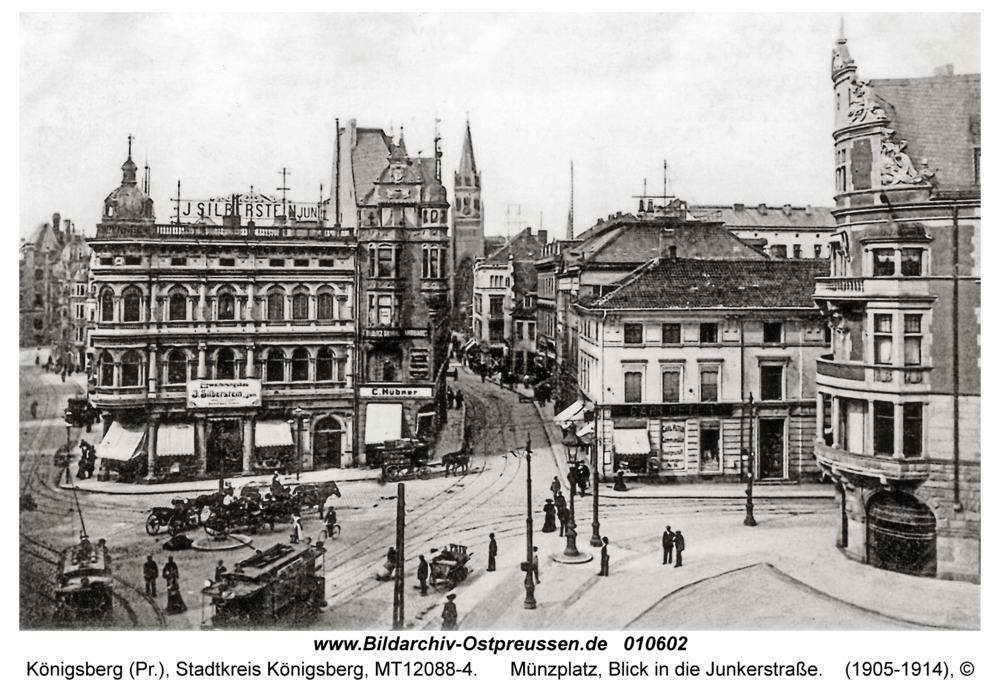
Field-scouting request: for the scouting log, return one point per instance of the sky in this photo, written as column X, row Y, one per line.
column 738, row 105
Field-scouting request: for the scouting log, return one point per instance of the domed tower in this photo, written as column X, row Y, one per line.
column 468, row 236
column 128, row 204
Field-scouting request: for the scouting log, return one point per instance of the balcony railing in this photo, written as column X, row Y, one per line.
column 840, row 285
column 872, row 466
column 849, row 371
column 871, row 287
column 200, row 231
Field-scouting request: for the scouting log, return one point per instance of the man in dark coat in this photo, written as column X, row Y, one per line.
column 563, row 513
column 170, row 571
column 571, row 479
column 220, row 571
column 449, row 616
column 555, row 487
column 423, row 571
column 150, row 572
column 459, row 399
column 668, row 546
column 605, row 560
column 679, row 544
column 582, row 476
column 451, row 398
column 492, row 562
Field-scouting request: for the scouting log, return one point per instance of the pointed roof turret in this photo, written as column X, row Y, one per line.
column 128, row 202
column 467, row 164
column 841, row 56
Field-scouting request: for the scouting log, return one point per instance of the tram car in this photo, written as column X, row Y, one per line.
column 83, row 582
column 285, row 582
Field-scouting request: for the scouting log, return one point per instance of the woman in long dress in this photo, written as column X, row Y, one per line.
column 175, row 603
column 550, row 517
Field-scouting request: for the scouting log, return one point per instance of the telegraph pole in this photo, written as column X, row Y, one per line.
column 529, row 579
column 398, row 596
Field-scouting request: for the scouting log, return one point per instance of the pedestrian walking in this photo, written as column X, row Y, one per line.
column 48, row 364
column 582, row 476
column 605, row 560
column 423, row 571
column 563, row 513
column 296, row 528
column 175, row 603
column 534, row 564
column 459, row 400
column 482, row 374
column 150, row 572
column 170, row 571
column 555, row 487
column 620, row 482
column 220, row 571
column 679, row 546
column 492, row 561
column 38, row 360
column 34, row 409
column 451, row 398
column 571, row 480
column 550, row 517
column 668, row 545
column 449, row 616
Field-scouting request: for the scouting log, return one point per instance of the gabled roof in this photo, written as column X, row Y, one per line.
column 369, row 158
column 687, row 284
column 939, row 117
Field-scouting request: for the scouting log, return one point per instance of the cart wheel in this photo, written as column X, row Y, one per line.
column 152, row 525
column 423, row 473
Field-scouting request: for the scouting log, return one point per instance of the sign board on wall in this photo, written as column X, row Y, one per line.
column 397, row 392
column 672, row 449
column 241, row 393
column 260, row 208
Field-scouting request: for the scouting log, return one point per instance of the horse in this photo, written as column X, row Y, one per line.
column 455, row 461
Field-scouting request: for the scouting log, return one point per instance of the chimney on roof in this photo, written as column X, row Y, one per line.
column 600, row 220
column 809, row 209
column 944, row 71
column 787, row 209
column 738, row 207
column 543, row 236
column 762, row 208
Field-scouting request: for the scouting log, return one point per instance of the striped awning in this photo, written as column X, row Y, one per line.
column 174, row 439
column 120, row 443
column 573, row 413
column 272, row 433
column 631, row 442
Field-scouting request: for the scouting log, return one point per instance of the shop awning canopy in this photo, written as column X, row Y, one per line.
column 383, row 422
column 175, row 439
column 470, row 343
column 573, row 413
column 585, row 429
column 272, row 433
column 120, row 443
column 631, row 442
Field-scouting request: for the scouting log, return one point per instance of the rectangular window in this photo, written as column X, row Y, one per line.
column 883, row 338
column 133, row 260
column 708, row 333
column 817, row 251
column 772, row 378
column 380, row 309
column 779, row 251
column 496, row 307
column 79, row 311
column 531, row 331
column 796, row 251
column 671, row 386
column 326, row 262
column 885, row 262
column 912, row 339
column 633, row 333
column 671, row 333
column 913, row 429
column 227, row 262
column 710, row 385
column 709, row 460
column 178, row 261
column 107, row 260
column 911, row 265
column 276, row 262
column 772, row 332
column 432, row 263
column 324, row 307
column 301, row 262
column 633, row 386
column 884, row 428
column 300, row 307
column 386, row 263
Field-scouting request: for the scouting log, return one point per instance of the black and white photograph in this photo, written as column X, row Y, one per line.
column 368, row 323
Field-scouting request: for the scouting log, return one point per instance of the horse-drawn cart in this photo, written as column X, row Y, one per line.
column 403, row 459
column 449, row 566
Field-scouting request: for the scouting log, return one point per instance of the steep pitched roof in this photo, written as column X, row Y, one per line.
column 939, row 117
column 369, row 158
column 467, row 164
column 687, row 283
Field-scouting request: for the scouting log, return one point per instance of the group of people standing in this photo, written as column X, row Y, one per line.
column 172, row 575
column 455, row 399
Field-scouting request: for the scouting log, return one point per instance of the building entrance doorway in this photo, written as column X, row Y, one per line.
column 224, row 446
column 772, row 448
column 902, row 534
column 326, row 443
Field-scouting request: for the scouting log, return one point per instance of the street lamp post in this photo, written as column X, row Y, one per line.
column 69, row 446
column 529, row 583
column 595, row 540
column 749, row 520
column 572, row 444
column 298, row 442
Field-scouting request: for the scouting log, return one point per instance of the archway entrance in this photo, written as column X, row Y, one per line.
column 225, row 446
column 902, row 534
column 326, row 443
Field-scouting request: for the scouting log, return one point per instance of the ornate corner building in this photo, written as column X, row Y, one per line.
column 898, row 397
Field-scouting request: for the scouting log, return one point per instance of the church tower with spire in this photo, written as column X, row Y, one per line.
column 468, row 231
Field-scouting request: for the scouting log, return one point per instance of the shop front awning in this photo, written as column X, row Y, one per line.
column 470, row 343
column 573, row 413
column 272, row 433
column 631, row 442
column 383, row 422
column 120, row 443
column 585, row 429
column 175, row 439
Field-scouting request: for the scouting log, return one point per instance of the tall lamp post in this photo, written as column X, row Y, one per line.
column 69, row 446
column 572, row 444
column 529, row 582
column 595, row 540
column 749, row 520
column 298, row 442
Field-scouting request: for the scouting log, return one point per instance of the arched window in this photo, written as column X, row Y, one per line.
column 324, row 306
column 275, row 365
column 131, row 369
column 225, row 364
column 131, row 305
column 300, row 306
column 177, row 309
column 276, row 305
column 300, row 364
column 227, row 306
column 107, row 306
column 324, row 365
column 107, row 369
column 177, row 367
